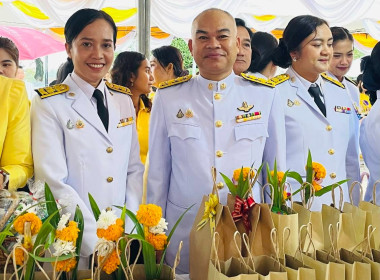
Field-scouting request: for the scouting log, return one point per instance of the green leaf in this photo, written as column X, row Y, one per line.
column 133, row 217
column 94, row 207
column 53, row 259
column 329, row 187
column 78, row 218
column 51, row 206
column 309, row 168
column 296, row 176
column 232, row 188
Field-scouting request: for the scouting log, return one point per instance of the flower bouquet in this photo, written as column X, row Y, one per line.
column 240, row 200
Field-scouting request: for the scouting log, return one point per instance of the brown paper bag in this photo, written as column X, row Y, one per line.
column 373, row 258
column 201, row 240
column 356, row 267
column 287, row 221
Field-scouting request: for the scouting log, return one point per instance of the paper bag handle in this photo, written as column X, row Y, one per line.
column 351, row 190
column 374, row 192
column 237, row 235
column 312, row 195
column 309, row 229
column 214, row 187
column 214, row 251
column 340, row 198
column 262, row 194
column 333, row 239
column 177, row 258
column 245, row 239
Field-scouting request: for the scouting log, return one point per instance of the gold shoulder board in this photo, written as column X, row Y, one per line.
column 332, row 80
column 118, row 88
column 280, row 79
column 351, row 81
column 176, row 81
column 257, row 80
column 52, row 90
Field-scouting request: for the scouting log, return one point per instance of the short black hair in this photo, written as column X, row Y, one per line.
column 371, row 74
column 241, row 22
column 340, row 34
column 263, row 45
column 169, row 54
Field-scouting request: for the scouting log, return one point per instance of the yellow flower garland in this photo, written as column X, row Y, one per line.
column 113, row 232
column 149, row 214
column 35, row 222
column 280, row 175
column 69, row 233
column 112, row 262
column 66, row 265
column 157, row 240
column 246, row 171
column 319, row 173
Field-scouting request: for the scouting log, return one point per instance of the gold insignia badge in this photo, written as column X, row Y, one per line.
column 180, row 114
column 297, row 102
column 79, row 124
column 125, row 122
column 189, row 113
column 245, row 107
column 290, row 103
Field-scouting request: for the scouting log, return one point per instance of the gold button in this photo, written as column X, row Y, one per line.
column 223, row 86
column 210, row 86
column 333, row 175
column 71, row 94
column 329, row 128
column 217, row 96
column 220, row 185
column 218, row 123
column 331, row 151
column 219, row 153
column 109, row 179
column 109, row 150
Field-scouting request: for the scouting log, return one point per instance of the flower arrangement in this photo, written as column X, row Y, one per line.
column 315, row 173
column 209, row 212
column 240, row 187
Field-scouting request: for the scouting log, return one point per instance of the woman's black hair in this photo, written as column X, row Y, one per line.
column 80, row 19
column 169, row 54
column 126, row 66
column 340, row 34
column 10, row 47
column 263, row 45
column 297, row 30
column 371, row 73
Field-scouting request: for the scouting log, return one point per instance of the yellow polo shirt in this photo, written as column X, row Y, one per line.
column 142, row 125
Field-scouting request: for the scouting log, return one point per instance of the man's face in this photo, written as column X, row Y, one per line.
column 244, row 55
column 214, row 44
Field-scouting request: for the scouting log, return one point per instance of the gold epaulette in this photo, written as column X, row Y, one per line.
column 351, row 81
column 176, row 81
column 280, row 79
column 52, row 90
column 332, row 80
column 258, row 80
column 118, row 88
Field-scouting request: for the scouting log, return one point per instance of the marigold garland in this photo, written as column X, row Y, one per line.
column 112, row 262
column 280, row 175
column 319, row 171
column 69, row 233
column 35, row 223
column 19, row 255
column 113, row 232
column 66, row 265
column 149, row 214
column 157, row 240
column 246, row 171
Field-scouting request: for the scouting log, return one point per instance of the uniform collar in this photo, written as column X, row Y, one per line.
column 292, row 73
column 87, row 89
column 258, row 74
column 217, row 86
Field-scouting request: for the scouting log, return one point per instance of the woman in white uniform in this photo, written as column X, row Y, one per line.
column 83, row 131
column 370, row 127
column 315, row 111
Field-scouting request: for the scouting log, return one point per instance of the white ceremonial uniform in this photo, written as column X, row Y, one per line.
column 76, row 160
column 369, row 137
column 301, row 126
column 184, row 147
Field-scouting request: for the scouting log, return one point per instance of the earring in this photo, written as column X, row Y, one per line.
column 294, row 58
column 131, row 84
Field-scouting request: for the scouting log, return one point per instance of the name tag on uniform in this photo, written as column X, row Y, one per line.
column 342, row 109
column 125, row 122
column 248, row 117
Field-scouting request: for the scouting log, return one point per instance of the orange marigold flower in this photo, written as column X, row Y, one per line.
column 20, row 258
column 280, row 175
column 112, row 262
column 113, row 232
column 246, row 171
column 69, row 233
column 149, row 214
column 66, row 265
column 319, row 171
column 157, row 240
column 286, row 195
column 35, row 222
column 316, row 186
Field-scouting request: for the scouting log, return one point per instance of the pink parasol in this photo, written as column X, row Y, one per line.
column 31, row 43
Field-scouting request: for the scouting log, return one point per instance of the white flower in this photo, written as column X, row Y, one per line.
column 19, row 239
column 63, row 221
column 160, row 227
column 106, row 218
column 104, row 247
column 63, row 247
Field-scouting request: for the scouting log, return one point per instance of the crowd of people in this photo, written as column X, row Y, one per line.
column 87, row 134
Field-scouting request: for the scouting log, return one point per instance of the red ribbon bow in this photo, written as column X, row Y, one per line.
column 241, row 211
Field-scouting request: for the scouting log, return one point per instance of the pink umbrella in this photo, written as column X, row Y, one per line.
column 31, row 43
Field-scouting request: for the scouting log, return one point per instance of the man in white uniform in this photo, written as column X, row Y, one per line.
column 194, row 126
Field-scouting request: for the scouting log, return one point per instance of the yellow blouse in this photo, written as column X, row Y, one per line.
column 142, row 125
column 365, row 105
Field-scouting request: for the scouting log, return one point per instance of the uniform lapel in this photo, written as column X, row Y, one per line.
column 114, row 114
column 82, row 105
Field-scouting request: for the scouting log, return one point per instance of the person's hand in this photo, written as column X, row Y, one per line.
column 1, row 181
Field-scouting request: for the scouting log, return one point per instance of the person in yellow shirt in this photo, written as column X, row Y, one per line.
column 9, row 58
column 365, row 104
column 16, row 164
column 132, row 69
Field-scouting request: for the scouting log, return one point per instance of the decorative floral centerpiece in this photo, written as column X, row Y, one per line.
column 240, row 187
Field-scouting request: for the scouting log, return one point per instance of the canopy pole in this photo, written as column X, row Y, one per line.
column 143, row 27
